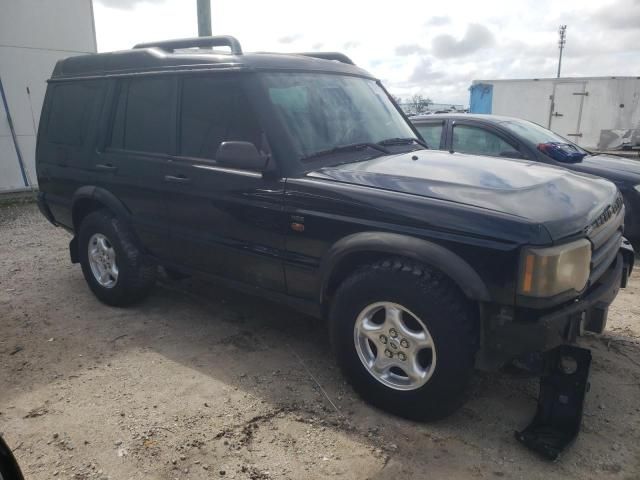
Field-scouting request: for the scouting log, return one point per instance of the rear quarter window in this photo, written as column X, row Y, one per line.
column 72, row 108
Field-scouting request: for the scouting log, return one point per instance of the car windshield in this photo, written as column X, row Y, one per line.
column 324, row 111
column 535, row 133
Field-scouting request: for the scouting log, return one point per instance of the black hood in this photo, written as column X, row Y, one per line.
column 564, row 202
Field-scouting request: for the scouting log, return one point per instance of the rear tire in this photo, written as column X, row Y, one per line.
column 394, row 368
column 114, row 267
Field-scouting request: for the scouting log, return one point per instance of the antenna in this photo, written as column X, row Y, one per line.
column 562, row 31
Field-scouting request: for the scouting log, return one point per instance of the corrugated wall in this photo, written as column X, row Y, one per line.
column 34, row 35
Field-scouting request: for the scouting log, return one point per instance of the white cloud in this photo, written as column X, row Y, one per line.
column 414, row 47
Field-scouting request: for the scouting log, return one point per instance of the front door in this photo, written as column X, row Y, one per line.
column 566, row 110
column 223, row 220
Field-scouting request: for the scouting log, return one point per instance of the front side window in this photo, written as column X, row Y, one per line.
column 431, row 133
column 214, row 110
column 323, row 111
column 478, row 141
column 143, row 119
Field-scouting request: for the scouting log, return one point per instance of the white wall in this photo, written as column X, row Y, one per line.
column 601, row 108
column 34, row 34
column 531, row 100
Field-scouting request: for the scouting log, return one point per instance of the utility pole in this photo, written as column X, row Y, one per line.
column 562, row 31
column 204, row 18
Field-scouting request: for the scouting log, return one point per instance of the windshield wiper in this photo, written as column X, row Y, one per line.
column 402, row 141
column 354, row 147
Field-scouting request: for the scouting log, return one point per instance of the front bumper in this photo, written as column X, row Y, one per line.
column 507, row 339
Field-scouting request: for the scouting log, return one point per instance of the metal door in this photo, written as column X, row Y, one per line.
column 566, row 109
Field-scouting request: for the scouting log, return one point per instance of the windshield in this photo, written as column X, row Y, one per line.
column 535, row 133
column 323, row 111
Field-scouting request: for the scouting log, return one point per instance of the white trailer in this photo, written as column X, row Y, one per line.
column 34, row 35
column 595, row 112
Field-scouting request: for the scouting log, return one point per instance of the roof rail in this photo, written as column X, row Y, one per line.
column 197, row 42
column 340, row 57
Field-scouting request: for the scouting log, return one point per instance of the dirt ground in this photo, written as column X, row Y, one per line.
column 202, row 382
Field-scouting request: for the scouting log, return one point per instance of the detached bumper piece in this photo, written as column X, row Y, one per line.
column 563, row 387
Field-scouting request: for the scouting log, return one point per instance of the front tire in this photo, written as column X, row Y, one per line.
column 113, row 266
column 405, row 337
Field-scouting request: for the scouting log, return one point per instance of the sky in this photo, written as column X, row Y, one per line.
column 421, row 47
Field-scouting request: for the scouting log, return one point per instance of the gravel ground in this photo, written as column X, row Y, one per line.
column 202, row 382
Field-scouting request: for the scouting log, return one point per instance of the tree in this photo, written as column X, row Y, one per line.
column 419, row 104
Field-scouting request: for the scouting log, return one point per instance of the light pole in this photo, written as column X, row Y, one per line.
column 562, row 31
column 204, row 18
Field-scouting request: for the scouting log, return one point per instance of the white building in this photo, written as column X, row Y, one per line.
column 34, row 34
column 595, row 112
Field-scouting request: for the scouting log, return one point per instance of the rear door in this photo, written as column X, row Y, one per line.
column 567, row 109
column 223, row 220
column 138, row 145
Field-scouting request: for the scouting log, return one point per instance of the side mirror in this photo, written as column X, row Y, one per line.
column 241, row 155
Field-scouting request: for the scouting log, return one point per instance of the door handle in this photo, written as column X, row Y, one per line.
column 106, row 167
column 176, row 179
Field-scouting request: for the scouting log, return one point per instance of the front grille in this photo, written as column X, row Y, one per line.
column 605, row 234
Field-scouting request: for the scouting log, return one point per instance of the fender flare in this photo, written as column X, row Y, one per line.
column 417, row 249
column 108, row 199
column 103, row 196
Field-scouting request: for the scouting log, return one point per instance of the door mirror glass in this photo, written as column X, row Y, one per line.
column 241, row 155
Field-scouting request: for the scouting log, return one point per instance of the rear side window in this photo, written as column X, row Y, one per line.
column 72, row 106
column 431, row 133
column 143, row 119
column 214, row 110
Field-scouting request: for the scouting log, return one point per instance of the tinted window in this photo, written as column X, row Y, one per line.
column 71, row 110
column 214, row 110
column 431, row 133
column 467, row 139
column 143, row 118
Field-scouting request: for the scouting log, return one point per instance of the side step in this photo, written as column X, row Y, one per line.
column 563, row 386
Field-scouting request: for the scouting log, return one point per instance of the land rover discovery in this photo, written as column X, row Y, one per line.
column 297, row 177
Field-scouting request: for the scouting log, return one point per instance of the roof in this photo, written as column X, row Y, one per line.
column 157, row 57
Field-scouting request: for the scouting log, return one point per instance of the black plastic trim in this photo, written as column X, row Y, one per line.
column 402, row 245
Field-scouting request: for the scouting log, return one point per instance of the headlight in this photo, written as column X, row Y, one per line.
column 545, row 272
column 637, row 188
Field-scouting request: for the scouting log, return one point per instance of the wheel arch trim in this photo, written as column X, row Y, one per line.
column 103, row 196
column 394, row 244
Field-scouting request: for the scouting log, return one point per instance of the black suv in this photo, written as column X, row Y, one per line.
column 298, row 178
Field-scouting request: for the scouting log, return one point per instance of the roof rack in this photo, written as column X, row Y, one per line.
column 340, row 57
column 197, row 42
